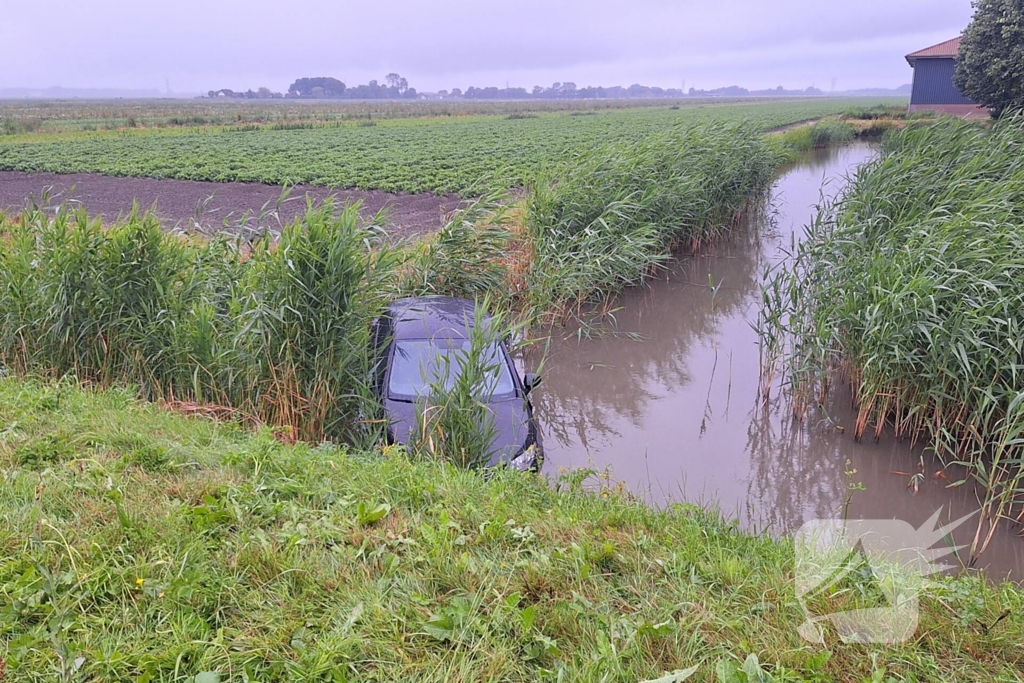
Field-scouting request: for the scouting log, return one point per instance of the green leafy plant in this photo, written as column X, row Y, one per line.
column 991, row 59
column 368, row 514
column 338, row 146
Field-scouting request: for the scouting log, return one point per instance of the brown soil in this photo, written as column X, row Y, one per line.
column 215, row 206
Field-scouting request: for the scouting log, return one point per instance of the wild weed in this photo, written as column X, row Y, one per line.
column 276, row 327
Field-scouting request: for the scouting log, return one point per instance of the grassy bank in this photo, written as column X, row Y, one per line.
column 831, row 132
column 869, row 124
column 143, row 545
column 818, row 135
column 910, row 288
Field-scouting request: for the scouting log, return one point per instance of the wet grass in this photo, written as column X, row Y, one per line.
column 910, row 288
column 143, row 545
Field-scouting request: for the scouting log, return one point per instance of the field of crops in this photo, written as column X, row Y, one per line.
column 47, row 117
column 435, row 154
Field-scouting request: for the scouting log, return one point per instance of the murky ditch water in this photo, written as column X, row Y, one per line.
column 669, row 405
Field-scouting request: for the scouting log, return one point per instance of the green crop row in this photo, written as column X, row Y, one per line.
column 440, row 154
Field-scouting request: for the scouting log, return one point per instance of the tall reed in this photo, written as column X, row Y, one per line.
column 455, row 421
column 467, row 256
column 911, row 288
column 805, row 138
column 605, row 218
column 276, row 328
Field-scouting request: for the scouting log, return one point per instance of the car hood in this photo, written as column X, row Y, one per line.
column 513, row 428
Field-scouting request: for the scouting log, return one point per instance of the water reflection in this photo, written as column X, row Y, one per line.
column 602, row 388
column 675, row 416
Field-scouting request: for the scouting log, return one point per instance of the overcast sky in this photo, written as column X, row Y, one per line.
column 198, row 45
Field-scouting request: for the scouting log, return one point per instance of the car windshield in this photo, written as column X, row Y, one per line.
column 418, row 363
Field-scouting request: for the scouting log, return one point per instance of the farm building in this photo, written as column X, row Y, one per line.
column 933, row 81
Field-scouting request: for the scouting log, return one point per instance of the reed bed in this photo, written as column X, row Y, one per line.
column 910, row 287
column 456, row 424
column 606, row 218
column 826, row 133
column 276, row 328
column 467, row 257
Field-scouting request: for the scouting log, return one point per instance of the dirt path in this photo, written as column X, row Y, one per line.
column 180, row 202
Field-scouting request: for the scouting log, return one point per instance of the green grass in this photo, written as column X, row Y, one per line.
column 875, row 112
column 911, row 289
column 433, row 154
column 827, row 133
column 142, row 545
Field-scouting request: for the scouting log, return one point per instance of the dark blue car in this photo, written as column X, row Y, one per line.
column 418, row 336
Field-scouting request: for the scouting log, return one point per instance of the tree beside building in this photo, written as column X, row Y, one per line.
column 990, row 63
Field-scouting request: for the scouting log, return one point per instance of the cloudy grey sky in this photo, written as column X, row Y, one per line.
column 199, row 45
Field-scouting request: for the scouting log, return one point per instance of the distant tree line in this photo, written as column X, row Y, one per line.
column 397, row 88
column 562, row 91
column 327, row 88
column 569, row 91
column 260, row 94
column 736, row 91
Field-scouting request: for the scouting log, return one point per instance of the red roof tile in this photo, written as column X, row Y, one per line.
column 946, row 49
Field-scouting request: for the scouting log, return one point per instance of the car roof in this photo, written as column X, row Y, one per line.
column 426, row 317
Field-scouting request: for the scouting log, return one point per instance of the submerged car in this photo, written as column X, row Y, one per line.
column 422, row 341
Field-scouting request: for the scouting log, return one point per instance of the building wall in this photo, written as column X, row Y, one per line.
column 933, row 83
